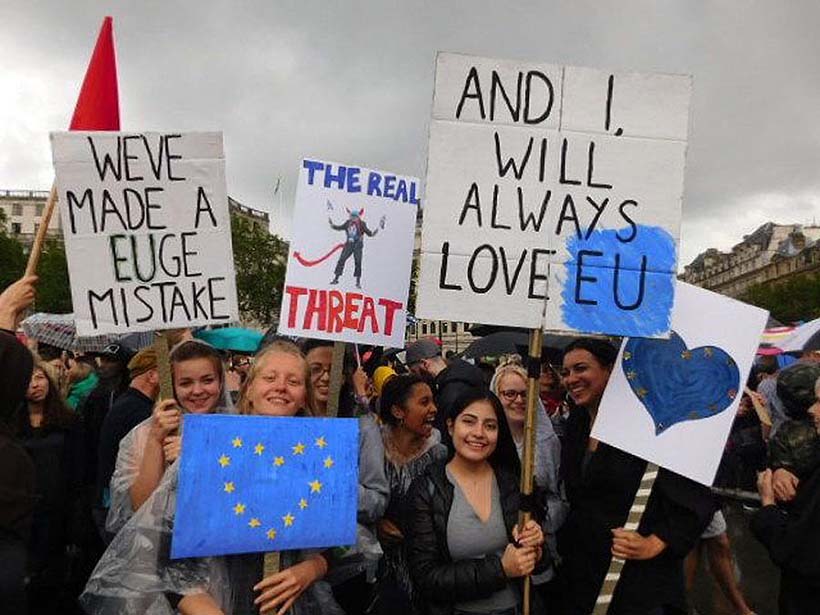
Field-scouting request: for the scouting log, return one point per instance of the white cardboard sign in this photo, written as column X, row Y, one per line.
column 147, row 230
column 553, row 181
column 348, row 275
column 672, row 402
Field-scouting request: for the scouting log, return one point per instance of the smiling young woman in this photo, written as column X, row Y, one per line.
column 466, row 552
column 411, row 443
column 145, row 453
column 137, row 570
column 601, row 482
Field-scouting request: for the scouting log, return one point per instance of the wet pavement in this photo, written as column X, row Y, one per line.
column 759, row 578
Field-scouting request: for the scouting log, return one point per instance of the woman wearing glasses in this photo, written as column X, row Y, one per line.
column 509, row 383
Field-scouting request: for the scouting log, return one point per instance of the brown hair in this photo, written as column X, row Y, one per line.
column 194, row 349
column 56, row 415
column 275, row 347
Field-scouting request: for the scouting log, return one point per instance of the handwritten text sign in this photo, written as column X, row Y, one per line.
column 348, row 274
column 553, row 181
column 147, row 230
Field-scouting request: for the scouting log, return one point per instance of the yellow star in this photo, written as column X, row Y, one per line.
column 239, row 509
column 641, row 392
column 254, row 522
column 631, row 375
column 278, row 461
column 229, row 487
column 259, row 448
column 708, row 352
column 686, row 355
column 321, row 442
column 237, row 442
column 271, row 534
column 303, row 504
column 329, row 462
column 299, row 449
column 288, row 519
column 315, row 486
column 627, row 355
column 224, row 461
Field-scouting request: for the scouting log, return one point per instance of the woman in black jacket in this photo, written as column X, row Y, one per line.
column 601, row 483
column 52, row 435
column 464, row 546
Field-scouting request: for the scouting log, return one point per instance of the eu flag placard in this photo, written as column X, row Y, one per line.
column 255, row 483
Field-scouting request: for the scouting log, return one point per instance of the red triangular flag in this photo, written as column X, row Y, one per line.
column 98, row 106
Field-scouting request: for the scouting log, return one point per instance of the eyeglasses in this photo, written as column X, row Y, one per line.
column 317, row 370
column 511, row 394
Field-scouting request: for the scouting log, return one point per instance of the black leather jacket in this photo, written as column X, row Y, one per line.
column 439, row 581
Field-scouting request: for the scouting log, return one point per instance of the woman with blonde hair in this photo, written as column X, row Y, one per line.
column 137, row 575
column 509, row 383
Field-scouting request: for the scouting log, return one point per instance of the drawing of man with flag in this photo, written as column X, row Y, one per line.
column 355, row 229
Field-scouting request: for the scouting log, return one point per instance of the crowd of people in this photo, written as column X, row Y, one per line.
column 88, row 479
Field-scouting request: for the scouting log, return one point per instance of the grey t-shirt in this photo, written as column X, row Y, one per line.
column 470, row 538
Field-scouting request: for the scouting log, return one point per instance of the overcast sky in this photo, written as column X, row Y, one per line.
column 352, row 81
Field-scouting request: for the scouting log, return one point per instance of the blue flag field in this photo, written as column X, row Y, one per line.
column 254, row 483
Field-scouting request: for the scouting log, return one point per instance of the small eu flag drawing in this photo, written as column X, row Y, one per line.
column 255, row 483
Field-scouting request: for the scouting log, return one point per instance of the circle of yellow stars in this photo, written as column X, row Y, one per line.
column 239, row 509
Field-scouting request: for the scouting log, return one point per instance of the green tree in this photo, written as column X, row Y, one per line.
column 53, row 289
column 260, row 259
column 796, row 299
column 12, row 257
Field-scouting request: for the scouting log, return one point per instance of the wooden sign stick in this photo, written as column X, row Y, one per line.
column 616, row 565
column 42, row 230
column 528, row 458
column 166, row 385
column 336, row 378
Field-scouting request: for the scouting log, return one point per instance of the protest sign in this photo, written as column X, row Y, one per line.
column 147, row 230
column 348, row 273
column 254, row 483
column 672, row 402
column 553, row 181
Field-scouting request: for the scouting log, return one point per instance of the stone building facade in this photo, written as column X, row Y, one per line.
column 772, row 253
column 24, row 211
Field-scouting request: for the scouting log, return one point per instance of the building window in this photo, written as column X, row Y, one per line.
column 424, row 328
column 39, row 208
column 16, row 228
column 445, row 328
column 16, row 209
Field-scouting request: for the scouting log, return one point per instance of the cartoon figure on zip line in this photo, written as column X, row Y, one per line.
column 355, row 229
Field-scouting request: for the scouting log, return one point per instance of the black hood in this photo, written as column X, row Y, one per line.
column 458, row 370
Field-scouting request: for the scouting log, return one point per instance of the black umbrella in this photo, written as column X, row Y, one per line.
column 516, row 342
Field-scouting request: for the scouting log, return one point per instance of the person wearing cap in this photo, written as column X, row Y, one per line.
column 451, row 380
column 132, row 408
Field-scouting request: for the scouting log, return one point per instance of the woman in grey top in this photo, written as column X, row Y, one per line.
column 465, row 550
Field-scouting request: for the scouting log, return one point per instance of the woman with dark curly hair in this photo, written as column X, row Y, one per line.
column 411, row 443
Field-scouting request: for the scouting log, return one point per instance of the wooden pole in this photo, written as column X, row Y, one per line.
column 528, row 458
column 42, row 231
column 336, row 378
column 616, row 565
column 166, row 385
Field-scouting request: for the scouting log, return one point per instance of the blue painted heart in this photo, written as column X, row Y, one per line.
column 675, row 383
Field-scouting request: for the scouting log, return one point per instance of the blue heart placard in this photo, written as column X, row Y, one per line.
column 675, row 383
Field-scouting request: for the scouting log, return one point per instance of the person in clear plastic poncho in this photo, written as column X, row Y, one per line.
column 148, row 449
column 136, row 574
